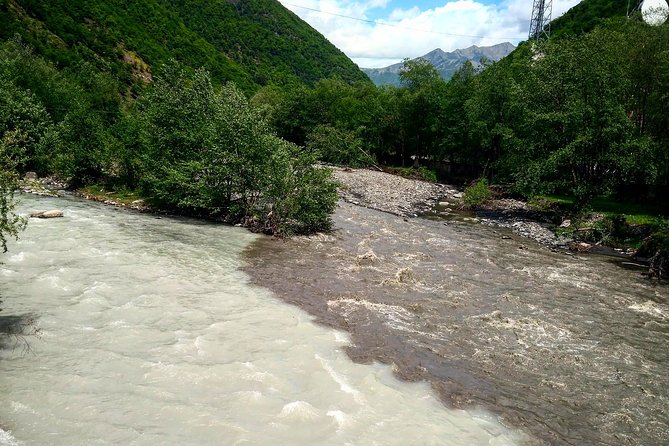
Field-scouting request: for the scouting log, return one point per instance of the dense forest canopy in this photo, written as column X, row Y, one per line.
column 586, row 15
column 249, row 42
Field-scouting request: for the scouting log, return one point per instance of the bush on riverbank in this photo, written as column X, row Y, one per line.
column 11, row 149
column 608, row 222
column 477, row 194
column 210, row 153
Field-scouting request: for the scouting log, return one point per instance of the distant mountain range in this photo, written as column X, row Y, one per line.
column 446, row 63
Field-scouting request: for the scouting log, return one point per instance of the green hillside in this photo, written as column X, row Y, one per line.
column 251, row 42
column 135, row 96
column 586, row 15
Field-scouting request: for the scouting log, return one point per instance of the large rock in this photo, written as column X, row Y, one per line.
column 47, row 214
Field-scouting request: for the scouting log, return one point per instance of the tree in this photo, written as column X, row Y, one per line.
column 422, row 106
column 576, row 134
column 10, row 222
column 211, row 153
column 337, row 146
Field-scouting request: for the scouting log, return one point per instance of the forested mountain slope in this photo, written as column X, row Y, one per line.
column 586, row 15
column 251, row 42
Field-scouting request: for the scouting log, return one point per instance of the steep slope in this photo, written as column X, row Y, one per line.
column 586, row 15
column 251, row 42
column 269, row 41
column 446, row 63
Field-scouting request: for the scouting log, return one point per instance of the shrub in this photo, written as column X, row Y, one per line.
column 476, row 194
column 212, row 154
column 10, row 222
column 656, row 249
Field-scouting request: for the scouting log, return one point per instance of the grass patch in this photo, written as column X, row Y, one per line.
column 634, row 213
column 614, row 223
column 122, row 196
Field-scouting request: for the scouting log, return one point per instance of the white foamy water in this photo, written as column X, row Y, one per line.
column 151, row 335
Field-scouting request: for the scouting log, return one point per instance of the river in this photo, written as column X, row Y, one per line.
column 572, row 348
column 146, row 331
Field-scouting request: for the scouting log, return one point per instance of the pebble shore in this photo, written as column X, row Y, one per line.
column 391, row 193
column 410, row 198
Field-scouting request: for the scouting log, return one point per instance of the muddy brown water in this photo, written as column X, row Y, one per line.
column 572, row 349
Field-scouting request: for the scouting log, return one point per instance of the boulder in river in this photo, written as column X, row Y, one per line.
column 47, row 214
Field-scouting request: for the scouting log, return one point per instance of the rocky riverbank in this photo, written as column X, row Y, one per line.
column 410, row 198
column 46, row 186
column 407, row 198
column 391, row 193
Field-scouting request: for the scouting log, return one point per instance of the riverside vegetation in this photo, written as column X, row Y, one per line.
column 96, row 101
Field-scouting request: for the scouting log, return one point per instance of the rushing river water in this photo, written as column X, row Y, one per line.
column 149, row 333
column 574, row 349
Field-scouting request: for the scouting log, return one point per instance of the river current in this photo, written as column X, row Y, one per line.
column 146, row 331
column 572, row 348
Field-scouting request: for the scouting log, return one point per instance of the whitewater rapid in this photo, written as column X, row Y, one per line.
column 147, row 333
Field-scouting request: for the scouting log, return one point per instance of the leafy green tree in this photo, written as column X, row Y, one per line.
column 579, row 136
column 491, row 114
column 418, row 73
column 455, row 141
column 211, row 153
column 422, row 105
column 337, row 146
column 81, row 147
column 10, row 222
column 22, row 116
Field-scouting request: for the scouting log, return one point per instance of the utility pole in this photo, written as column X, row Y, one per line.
column 540, row 23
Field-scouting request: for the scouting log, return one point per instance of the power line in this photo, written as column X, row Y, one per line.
column 374, row 22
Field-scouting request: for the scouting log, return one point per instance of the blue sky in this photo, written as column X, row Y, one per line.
column 383, row 11
column 377, row 33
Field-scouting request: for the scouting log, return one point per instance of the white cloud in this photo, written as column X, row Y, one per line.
column 414, row 32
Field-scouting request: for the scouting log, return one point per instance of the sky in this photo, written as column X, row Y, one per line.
column 378, row 33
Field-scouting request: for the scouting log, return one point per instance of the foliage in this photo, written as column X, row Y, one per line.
column 656, row 249
column 588, row 14
column 190, row 147
column 210, row 153
column 635, row 213
column 583, row 114
column 338, row 146
column 420, row 173
column 252, row 42
column 10, row 222
column 101, row 193
column 477, row 194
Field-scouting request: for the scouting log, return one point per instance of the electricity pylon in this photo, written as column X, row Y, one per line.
column 636, row 8
column 540, row 24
